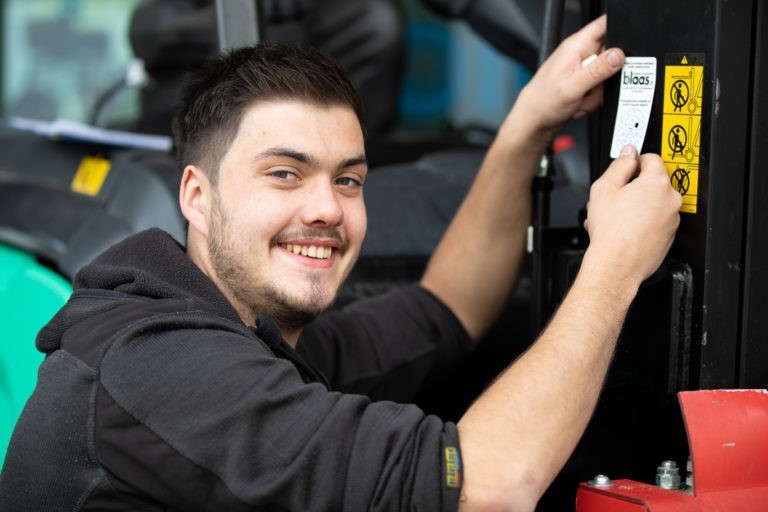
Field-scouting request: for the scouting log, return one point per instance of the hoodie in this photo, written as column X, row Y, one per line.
column 155, row 396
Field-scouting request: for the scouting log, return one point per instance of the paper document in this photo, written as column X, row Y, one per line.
column 66, row 129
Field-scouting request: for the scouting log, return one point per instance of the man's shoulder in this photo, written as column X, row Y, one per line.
column 96, row 322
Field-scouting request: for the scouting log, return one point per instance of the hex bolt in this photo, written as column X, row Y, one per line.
column 668, row 475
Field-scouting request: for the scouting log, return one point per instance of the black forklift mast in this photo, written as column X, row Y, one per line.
column 699, row 322
column 753, row 359
column 711, row 325
column 706, row 124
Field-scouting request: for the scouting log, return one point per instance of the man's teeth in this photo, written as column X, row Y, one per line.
column 312, row 251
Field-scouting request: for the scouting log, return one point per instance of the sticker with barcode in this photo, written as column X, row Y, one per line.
column 638, row 82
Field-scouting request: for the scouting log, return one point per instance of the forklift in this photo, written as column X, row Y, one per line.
column 695, row 327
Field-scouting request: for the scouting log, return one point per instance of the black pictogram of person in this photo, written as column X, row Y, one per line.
column 679, row 94
column 680, row 180
column 677, row 139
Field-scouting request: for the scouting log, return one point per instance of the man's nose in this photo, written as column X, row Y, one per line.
column 322, row 205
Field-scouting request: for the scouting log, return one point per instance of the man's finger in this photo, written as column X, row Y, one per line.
column 652, row 164
column 623, row 169
column 594, row 31
column 595, row 72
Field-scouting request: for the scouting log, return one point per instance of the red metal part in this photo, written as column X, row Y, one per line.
column 728, row 437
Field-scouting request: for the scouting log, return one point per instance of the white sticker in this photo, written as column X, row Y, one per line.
column 638, row 81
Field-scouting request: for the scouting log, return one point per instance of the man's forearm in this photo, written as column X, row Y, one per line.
column 520, row 432
column 557, row 383
column 478, row 260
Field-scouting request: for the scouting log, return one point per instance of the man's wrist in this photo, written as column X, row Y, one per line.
column 521, row 134
column 611, row 277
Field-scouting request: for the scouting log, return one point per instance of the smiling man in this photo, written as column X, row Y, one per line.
column 194, row 378
column 283, row 226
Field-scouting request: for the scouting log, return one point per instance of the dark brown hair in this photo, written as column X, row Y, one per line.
column 213, row 99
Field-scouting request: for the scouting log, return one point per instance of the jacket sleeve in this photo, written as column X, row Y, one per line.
column 387, row 347
column 203, row 419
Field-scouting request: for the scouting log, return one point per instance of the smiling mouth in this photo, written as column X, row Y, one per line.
column 310, row 251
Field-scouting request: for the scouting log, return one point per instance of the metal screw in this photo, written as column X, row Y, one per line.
column 601, row 481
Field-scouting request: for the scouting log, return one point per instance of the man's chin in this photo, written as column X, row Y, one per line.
column 291, row 320
column 312, row 309
column 311, row 299
column 294, row 313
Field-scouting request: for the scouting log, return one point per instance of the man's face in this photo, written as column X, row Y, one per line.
column 288, row 218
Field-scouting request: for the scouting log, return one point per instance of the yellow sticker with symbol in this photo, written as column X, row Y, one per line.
column 90, row 175
column 681, row 124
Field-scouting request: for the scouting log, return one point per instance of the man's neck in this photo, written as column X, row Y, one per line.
column 291, row 338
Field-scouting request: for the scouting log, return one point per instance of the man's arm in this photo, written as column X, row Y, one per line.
column 477, row 262
column 518, row 434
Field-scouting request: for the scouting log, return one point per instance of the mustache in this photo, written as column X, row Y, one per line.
column 331, row 233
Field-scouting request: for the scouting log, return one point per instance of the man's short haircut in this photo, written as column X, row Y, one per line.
column 213, row 99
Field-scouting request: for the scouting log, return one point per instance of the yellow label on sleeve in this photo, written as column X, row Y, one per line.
column 452, row 467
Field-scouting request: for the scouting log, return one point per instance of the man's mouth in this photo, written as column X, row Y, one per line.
column 311, row 251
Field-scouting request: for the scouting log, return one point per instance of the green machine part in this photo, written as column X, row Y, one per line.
column 30, row 294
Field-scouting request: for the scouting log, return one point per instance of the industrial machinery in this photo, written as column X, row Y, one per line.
column 727, row 470
column 698, row 323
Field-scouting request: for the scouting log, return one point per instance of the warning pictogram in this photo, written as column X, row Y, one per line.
column 677, row 140
column 681, row 180
column 679, row 94
column 685, row 179
column 681, row 124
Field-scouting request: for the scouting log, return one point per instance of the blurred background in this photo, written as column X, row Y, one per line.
column 64, row 58
column 437, row 78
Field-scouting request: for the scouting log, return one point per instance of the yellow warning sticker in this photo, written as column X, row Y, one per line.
column 681, row 124
column 90, row 175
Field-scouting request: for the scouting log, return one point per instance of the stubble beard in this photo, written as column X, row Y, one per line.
column 259, row 298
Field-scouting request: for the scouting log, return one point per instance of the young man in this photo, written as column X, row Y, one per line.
column 187, row 380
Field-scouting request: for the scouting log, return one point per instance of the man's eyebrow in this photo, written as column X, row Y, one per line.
column 354, row 161
column 307, row 158
column 286, row 152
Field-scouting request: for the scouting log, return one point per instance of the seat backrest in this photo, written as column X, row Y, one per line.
column 30, row 294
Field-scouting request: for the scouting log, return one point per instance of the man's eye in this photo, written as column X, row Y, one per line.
column 284, row 174
column 348, row 181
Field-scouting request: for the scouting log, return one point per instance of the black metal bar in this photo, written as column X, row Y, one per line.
column 542, row 183
column 552, row 28
column 753, row 363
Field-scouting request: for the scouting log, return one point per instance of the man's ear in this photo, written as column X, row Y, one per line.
column 195, row 198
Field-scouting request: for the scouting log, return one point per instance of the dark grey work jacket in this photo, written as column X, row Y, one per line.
column 155, row 396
